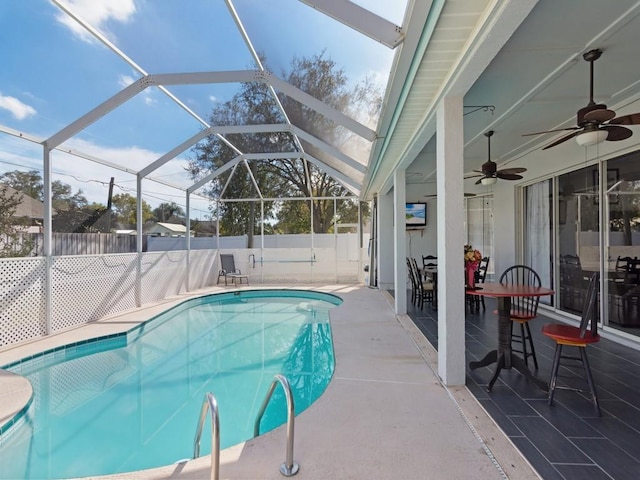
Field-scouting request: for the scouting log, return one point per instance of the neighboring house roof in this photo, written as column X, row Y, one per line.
column 28, row 207
column 166, row 228
column 174, row 227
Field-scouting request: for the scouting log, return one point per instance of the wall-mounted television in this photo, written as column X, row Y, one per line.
column 416, row 215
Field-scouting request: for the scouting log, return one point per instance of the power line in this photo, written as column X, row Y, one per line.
column 164, row 196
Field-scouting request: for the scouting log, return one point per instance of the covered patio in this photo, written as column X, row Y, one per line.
column 456, row 71
column 566, row 440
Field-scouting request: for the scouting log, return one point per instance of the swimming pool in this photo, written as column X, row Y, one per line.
column 132, row 401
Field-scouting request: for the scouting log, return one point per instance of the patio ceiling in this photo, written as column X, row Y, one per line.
column 524, row 59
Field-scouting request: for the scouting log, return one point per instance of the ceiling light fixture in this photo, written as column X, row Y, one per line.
column 488, row 180
column 591, row 137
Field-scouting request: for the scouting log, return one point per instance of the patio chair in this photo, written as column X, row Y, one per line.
column 523, row 309
column 228, row 270
column 580, row 337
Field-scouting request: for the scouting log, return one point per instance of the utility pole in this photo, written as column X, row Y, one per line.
column 109, row 204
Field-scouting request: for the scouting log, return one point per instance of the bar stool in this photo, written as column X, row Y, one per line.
column 523, row 309
column 580, row 337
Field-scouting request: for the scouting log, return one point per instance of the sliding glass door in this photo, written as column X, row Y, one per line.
column 589, row 221
column 578, row 236
column 621, row 198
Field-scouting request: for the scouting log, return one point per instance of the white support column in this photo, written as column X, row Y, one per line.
column 47, row 237
column 385, row 242
column 188, row 240
column 400, row 241
column 451, row 308
column 139, row 240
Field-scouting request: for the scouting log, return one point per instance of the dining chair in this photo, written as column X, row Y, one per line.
column 580, row 337
column 414, row 285
column 429, row 261
column 523, row 309
column 481, row 275
column 621, row 267
column 426, row 288
column 632, row 273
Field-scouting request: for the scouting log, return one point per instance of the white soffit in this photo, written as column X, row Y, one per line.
column 451, row 37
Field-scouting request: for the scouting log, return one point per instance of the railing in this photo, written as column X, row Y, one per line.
column 289, row 467
column 211, row 404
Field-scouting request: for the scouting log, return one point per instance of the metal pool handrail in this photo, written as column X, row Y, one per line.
column 209, row 403
column 289, row 467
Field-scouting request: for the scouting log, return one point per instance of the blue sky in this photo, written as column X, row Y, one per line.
column 54, row 71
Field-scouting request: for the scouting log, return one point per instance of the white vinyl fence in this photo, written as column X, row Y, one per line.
column 85, row 288
column 88, row 287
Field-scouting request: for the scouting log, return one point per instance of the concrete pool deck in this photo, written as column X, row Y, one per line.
column 385, row 414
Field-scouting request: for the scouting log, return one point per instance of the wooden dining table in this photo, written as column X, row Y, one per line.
column 503, row 356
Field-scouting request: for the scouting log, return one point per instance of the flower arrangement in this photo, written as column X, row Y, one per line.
column 472, row 257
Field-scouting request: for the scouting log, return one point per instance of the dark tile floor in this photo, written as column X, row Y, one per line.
column 566, row 440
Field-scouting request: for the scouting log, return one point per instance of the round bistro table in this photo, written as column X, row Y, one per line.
column 503, row 356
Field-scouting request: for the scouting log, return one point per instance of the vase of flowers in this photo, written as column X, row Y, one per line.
column 472, row 259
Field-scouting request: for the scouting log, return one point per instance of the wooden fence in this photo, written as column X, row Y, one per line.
column 84, row 243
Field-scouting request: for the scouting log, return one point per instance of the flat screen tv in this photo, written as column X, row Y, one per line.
column 416, row 215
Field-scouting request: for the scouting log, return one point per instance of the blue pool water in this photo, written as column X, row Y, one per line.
column 132, row 402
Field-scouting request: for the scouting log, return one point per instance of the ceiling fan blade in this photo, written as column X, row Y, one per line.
column 617, row 133
column 508, row 176
column 562, row 140
column 465, row 194
column 512, row 170
column 551, row 131
column 474, row 176
column 600, row 115
column 631, row 119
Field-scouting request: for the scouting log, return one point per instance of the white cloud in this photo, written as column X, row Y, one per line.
column 125, row 80
column 213, row 98
column 96, row 14
column 18, row 109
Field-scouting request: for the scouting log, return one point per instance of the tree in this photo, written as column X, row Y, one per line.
column 29, row 183
column 71, row 211
column 124, row 209
column 13, row 243
column 165, row 212
column 321, row 78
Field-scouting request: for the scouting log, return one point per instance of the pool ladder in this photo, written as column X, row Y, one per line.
column 210, row 404
column 288, row 468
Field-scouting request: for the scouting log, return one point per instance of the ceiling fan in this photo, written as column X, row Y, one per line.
column 490, row 173
column 596, row 123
